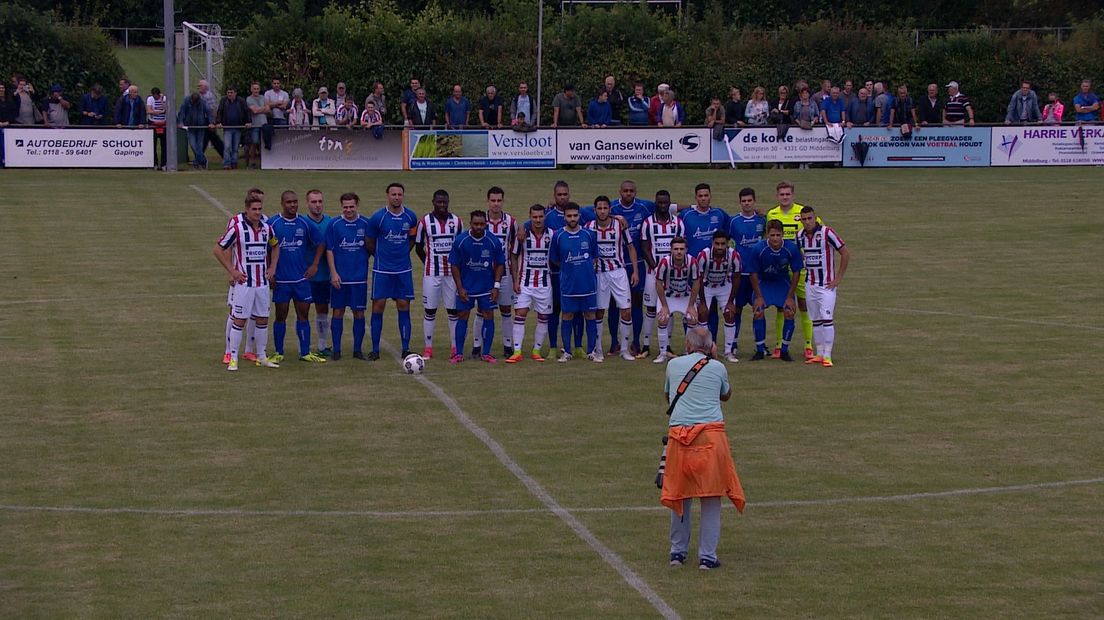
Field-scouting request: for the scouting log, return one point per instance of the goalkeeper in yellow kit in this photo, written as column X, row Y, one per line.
column 789, row 213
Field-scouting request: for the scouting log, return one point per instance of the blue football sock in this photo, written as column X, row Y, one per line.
column 461, row 335
column 736, row 339
column 579, row 329
column 279, row 331
column 714, row 321
column 488, row 335
column 337, row 326
column 613, row 320
column 553, row 330
column 787, row 333
column 302, row 330
column 638, row 323
column 760, row 328
column 592, row 335
column 404, row 329
column 565, row 333
column 358, row 335
column 377, row 330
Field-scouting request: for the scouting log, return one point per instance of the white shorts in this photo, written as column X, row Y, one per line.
column 651, row 300
column 821, row 302
column 437, row 290
column 614, row 284
column 248, row 301
column 506, row 296
column 538, row 298
column 678, row 304
column 230, row 297
column 720, row 293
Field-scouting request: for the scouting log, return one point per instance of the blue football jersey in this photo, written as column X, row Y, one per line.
column 297, row 239
column 746, row 233
column 701, row 226
column 476, row 259
column 575, row 252
column 774, row 265
column 347, row 242
column 393, row 234
column 322, row 227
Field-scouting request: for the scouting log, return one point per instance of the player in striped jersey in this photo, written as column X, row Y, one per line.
column 822, row 277
column 675, row 276
column 301, row 250
column 789, row 213
column 775, row 267
column 656, row 234
column 347, row 255
column 746, row 229
column 719, row 269
column 251, row 265
column 532, row 282
column 320, row 283
column 250, row 324
column 504, row 226
column 391, row 233
column 614, row 283
column 433, row 243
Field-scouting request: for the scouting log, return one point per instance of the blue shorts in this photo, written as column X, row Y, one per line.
column 353, row 296
column 320, row 291
column 579, row 303
column 642, row 268
column 392, row 285
column 745, row 296
column 774, row 293
column 483, row 301
column 288, row 291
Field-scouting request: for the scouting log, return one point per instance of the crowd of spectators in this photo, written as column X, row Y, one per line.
column 247, row 123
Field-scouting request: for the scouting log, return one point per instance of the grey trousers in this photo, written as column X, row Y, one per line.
column 709, row 535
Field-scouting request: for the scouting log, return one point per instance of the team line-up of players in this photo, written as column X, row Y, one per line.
column 566, row 263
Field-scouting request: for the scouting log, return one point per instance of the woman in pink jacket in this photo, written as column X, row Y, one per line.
column 1052, row 112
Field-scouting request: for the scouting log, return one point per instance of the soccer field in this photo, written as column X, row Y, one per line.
column 950, row 465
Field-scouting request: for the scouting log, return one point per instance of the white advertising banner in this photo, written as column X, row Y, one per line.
column 1048, row 146
column 762, row 145
column 78, row 148
column 652, row 145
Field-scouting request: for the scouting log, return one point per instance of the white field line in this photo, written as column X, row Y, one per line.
column 538, row 491
column 211, row 199
column 429, row 514
column 985, row 317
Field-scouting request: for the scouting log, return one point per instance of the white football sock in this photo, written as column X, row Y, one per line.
column 829, row 332
column 625, row 332
column 429, row 323
column 519, row 333
column 229, row 326
column 541, row 332
column 250, row 335
column 729, row 336
column 507, row 332
column 322, row 321
column 234, row 341
column 260, row 338
column 649, row 325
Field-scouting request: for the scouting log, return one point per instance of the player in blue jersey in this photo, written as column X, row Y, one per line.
column 775, row 267
column 478, row 261
column 391, row 233
column 320, row 283
column 555, row 219
column 634, row 211
column 701, row 221
column 746, row 229
column 502, row 225
column 301, row 249
column 574, row 251
column 347, row 256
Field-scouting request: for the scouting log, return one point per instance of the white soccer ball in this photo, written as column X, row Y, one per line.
column 413, row 364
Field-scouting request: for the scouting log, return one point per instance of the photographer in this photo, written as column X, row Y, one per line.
column 56, row 108
column 698, row 456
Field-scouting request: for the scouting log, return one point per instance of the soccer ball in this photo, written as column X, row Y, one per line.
column 413, row 364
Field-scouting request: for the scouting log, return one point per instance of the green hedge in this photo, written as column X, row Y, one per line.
column 47, row 52
column 700, row 58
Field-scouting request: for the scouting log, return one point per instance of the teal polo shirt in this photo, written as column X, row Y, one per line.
column 701, row 403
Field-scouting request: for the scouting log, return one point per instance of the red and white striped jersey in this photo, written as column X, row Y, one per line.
column 611, row 245
column 816, row 251
column 718, row 273
column 534, row 257
column 505, row 229
column 676, row 279
column 250, row 247
column 435, row 237
column 659, row 234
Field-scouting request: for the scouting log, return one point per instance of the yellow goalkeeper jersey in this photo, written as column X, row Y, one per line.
column 791, row 222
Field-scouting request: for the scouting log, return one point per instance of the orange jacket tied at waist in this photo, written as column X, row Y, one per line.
column 699, row 464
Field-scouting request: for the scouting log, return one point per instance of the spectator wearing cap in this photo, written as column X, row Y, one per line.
column 232, row 115
column 1054, row 109
column 339, row 96
column 599, row 111
column 157, row 106
column 56, row 109
column 957, row 109
column 567, row 108
column 490, row 109
column 861, row 111
column 298, row 112
column 931, row 108
column 523, row 108
column 457, row 109
column 1023, row 107
column 421, row 112
column 93, row 107
column 638, row 104
column 615, row 97
column 130, row 111
column 735, row 107
column 656, row 103
column 323, row 109
column 1085, row 103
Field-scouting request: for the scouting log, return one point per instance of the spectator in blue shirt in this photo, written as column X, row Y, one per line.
column 93, row 107
column 599, row 112
column 130, row 111
column 408, row 97
column 638, row 105
column 457, row 109
column 1085, row 103
column 861, row 111
column 832, row 109
column 1023, row 107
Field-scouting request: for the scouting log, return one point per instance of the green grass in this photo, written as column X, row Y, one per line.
column 112, row 396
column 145, row 66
